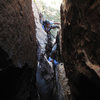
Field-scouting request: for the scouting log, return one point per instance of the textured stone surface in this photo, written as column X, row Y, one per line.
column 80, row 21
column 64, row 92
column 17, row 50
column 44, row 73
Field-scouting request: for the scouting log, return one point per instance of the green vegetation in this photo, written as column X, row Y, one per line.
column 50, row 9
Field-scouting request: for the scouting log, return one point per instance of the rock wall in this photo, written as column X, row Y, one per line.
column 45, row 72
column 80, row 22
column 18, row 59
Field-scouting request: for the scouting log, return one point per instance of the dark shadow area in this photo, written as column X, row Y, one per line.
column 16, row 83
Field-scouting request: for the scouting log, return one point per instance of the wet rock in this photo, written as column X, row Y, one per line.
column 80, row 22
column 18, row 59
column 63, row 88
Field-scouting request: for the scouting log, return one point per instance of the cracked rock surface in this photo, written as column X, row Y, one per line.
column 80, row 22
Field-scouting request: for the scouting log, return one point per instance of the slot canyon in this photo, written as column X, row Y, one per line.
column 26, row 73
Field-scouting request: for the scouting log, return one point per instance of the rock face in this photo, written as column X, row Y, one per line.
column 63, row 88
column 80, row 22
column 18, row 59
column 45, row 72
